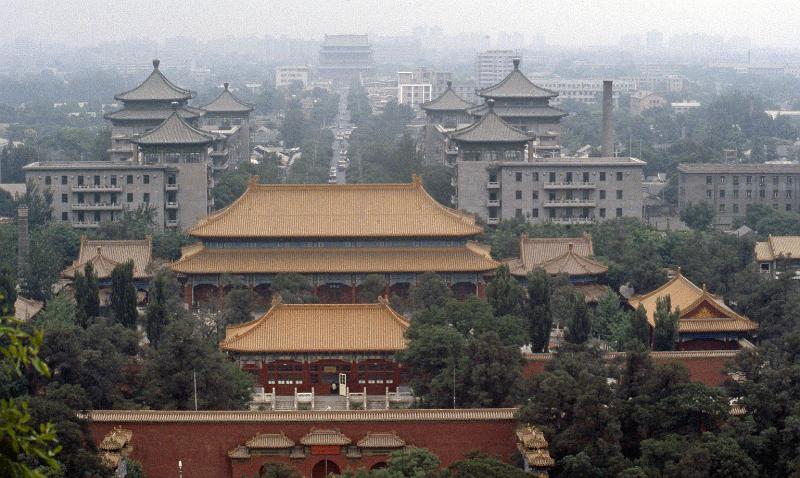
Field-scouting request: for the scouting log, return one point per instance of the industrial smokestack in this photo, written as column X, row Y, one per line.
column 23, row 242
column 608, row 119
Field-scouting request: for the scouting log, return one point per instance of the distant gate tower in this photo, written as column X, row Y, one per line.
column 346, row 58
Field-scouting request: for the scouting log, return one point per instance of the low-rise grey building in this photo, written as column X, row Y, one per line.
column 558, row 190
column 731, row 188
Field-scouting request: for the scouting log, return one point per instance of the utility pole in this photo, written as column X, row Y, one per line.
column 194, row 378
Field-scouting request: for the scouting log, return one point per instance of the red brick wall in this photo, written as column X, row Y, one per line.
column 203, row 447
column 709, row 369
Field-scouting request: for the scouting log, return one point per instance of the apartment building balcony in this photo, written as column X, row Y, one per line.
column 572, row 220
column 172, row 223
column 570, row 203
column 103, row 206
column 171, row 205
column 85, row 224
column 492, row 203
column 220, row 167
column 493, row 220
column 493, row 185
column 99, row 188
column 570, row 185
column 171, row 187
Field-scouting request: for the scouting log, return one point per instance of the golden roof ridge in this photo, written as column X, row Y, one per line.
column 678, row 276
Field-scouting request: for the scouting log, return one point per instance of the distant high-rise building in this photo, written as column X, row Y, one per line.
column 345, row 58
column 654, row 40
column 288, row 74
column 492, row 66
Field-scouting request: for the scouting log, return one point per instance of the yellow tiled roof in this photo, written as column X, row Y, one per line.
column 557, row 255
column 202, row 260
column 336, row 210
column 777, row 246
column 270, row 440
column 325, row 437
column 26, row 309
column 106, row 255
column 381, row 440
column 320, row 328
column 685, row 295
column 116, row 439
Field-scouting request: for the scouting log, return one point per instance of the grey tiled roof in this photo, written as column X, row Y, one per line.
column 447, row 101
column 490, row 129
column 155, row 88
column 175, row 131
column 516, row 85
column 185, row 111
column 226, row 102
column 520, row 111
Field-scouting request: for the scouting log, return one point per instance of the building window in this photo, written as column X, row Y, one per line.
column 775, row 194
column 97, row 217
column 775, row 179
column 113, row 180
column 552, row 177
column 788, row 207
column 619, row 212
column 129, row 197
column 722, row 194
column 64, row 180
column 535, row 212
column 748, row 194
column 585, row 177
column 762, row 194
column 709, row 194
column 721, row 208
column 602, row 212
column 518, row 213
column 761, row 180
column 518, row 195
column 602, row 194
column 172, row 215
column 146, row 198
column 518, row 177
column 129, row 179
column 619, row 193
column 708, row 180
column 80, row 198
column 64, row 198
column 80, row 180
column 492, row 178
column 536, row 177
column 788, row 195
column 47, row 180
column 97, row 180
column 736, row 180
column 602, row 175
column 551, row 196
column 568, row 179
column 735, row 208
column 65, row 216
column 536, row 195
column 749, row 180
column 788, row 180
column 619, row 176
column 735, row 194
column 722, row 179
column 146, row 179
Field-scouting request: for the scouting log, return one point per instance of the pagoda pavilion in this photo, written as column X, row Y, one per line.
column 144, row 108
column 526, row 106
column 705, row 322
column 335, row 235
column 489, row 139
column 562, row 255
column 300, row 347
column 443, row 114
column 230, row 115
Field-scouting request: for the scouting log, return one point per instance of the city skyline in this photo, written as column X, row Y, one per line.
column 587, row 23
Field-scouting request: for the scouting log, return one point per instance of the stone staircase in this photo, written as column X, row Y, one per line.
column 330, row 402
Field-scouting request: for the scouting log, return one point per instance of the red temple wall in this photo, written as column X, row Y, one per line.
column 203, row 447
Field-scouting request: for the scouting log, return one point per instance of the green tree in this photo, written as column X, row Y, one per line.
column 123, row 295
column 431, row 356
column 26, row 451
column 133, row 224
column 640, row 327
column 430, row 290
column 168, row 373
column 665, row 332
column 608, row 316
column 698, row 216
column 238, row 306
column 372, row 287
column 479, row 466
column 294, row 289
column 504, row 293
column 540, row 316
column 163, row 306
column 87, row 295
column 278, row 470
column 579, row 325
column 489, row 372
column 413, row 463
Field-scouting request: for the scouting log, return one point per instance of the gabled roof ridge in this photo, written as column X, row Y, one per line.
column 155, row 73
column 227, row 94
column 716, row 301
column 181, row 123
column 516, row 74
column 447, row 94
column 580, row 260
column 678, row 277
column 482, row 124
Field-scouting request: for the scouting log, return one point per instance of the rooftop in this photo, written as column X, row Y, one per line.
column 336, row 210
column 106, row 255
column 700, row 311
column 203, row 260
column 557, row 255
column 155, row 87
column 740, row 168
column 520, row 111
column 128, row 114
column 316, row 328
column 346, row 40
column 447, row 101
column 175, row 130
column 227, row 102
column 490, row 129
column 89, row 165
column 778, row 246
column 516, row 85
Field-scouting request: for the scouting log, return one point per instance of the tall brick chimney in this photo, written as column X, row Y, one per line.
column 23, row 242
column 608, row 118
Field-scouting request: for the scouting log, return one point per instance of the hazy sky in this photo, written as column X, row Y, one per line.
column 565, row 22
